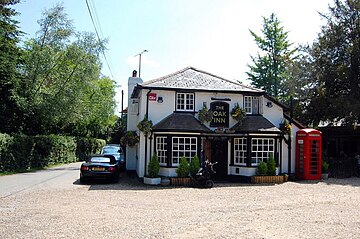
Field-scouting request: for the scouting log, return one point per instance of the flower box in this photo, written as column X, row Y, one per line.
column 268, row 179
column 180, row 181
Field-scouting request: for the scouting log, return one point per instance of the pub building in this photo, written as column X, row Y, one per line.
column 174, row 103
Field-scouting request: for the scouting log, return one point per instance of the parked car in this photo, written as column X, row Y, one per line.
column 100, row 166
column 115, row 150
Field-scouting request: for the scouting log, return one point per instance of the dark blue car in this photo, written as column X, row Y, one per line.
column 100, row 167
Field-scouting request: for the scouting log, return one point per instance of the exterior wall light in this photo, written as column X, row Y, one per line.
column 160, row 99
column 269, row 104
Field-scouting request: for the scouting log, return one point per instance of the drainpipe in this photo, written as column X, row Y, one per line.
column 146, row 115
column 290, row 122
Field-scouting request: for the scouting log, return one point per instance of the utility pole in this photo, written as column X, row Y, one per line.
column 140, row 60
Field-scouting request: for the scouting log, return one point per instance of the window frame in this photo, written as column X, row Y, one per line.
column 246, row 106
column 185, row 106
column 180, row 148
column 260, row 150
column 161, row 150
column 240, row 151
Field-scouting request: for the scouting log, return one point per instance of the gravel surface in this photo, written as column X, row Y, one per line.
column 129, row 209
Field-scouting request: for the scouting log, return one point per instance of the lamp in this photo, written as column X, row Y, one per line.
column 269, row 104
column 160, row 99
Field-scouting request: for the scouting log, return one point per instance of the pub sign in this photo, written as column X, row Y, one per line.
column 220, row 114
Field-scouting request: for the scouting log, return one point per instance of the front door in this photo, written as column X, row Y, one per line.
column 219, row 153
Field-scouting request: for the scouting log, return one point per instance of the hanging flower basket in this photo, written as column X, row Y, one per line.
column 285, row 127
column 205, row 115
column 130, row 138
column 145, row 126
column 238, row 113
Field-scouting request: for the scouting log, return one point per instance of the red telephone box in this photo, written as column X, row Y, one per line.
column 308, row 154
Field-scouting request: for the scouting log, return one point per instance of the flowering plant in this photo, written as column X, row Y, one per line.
column 205, row 115
column 238, row 113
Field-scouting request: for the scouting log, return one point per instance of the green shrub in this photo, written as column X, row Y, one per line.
column 153, row 167
column 21, row 152
column 88, row 146
column 183, row 169
column 194, row 165
column 271, row 166
column 262, row 169
column 324, row 167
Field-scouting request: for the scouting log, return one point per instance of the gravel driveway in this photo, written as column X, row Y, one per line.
column 129, row 209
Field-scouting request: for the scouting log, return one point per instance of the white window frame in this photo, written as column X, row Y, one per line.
column 248, row 104
column 185, row 102
column 240, row 151
column 183, row 146
column 261, row 148
column 161, row 150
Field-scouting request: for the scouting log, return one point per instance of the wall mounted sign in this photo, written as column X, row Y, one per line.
column 220, row 114
column 152, row 97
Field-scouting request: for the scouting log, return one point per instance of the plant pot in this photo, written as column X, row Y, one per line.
column 152, row 181
column 267, row 179
column 325, row 176
column 180, row 181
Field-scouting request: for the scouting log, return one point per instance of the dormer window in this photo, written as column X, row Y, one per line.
column 253, row 105
column 185, row 101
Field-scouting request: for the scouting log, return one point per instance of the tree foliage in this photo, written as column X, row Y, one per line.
column 65, row 91
column 10, row 59
column 335, row 67
column 269, row 69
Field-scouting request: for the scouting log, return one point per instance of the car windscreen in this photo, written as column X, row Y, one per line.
column 111, row 150
column 99, row 160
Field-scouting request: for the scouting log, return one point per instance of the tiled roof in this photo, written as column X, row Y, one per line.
column 191, row 78
column 255, row 123
column 181, row 122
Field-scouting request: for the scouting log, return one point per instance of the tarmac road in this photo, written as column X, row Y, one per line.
column 58, row 177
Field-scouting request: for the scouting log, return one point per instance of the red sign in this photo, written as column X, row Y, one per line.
column 152, row 97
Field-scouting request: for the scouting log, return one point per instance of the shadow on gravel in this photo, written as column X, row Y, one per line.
column 353, row 181
column 126, row 182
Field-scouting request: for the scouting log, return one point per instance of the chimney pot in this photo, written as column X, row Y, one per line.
column 134, row 73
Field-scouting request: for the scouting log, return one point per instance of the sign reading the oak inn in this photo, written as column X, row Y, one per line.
column 220, row 114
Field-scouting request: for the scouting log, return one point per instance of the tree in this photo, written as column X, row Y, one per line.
column 335, row 62
column 65, row 90
column 269, row 71
column 10, row 59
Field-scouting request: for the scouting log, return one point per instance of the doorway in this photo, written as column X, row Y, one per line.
column 219, row 153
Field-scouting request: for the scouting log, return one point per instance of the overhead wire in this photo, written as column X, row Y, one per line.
column 97, row 32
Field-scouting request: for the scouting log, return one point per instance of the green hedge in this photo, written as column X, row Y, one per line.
column 88, row 146
column 21, row 152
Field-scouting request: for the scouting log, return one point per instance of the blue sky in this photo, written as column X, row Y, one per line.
column 212, row 35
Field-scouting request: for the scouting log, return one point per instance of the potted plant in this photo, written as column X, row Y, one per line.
column 194, row 166
column 238, row 113
column 130, row 138
column 266, row 173
column 182, row 172
column 152, row 178
column 324, row 170
column 271, row 166
column 145, row 126
column 205, row 115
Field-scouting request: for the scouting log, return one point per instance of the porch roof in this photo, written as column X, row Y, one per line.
column 255, row 123
column 181, row 122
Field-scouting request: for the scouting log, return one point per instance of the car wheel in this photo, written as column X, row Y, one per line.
column 82, row 179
